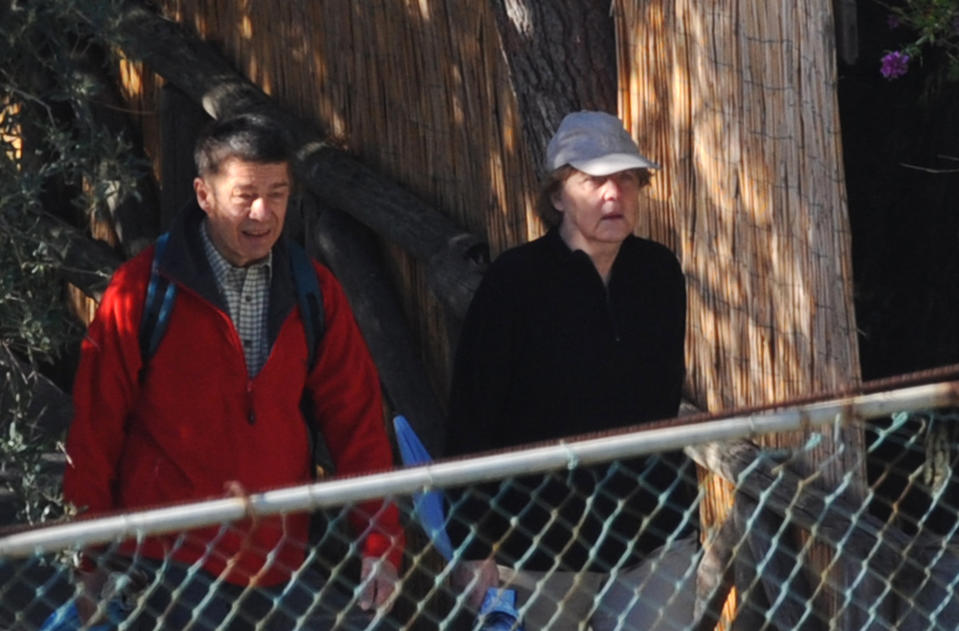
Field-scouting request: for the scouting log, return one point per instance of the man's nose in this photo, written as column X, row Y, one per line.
column 258, row 209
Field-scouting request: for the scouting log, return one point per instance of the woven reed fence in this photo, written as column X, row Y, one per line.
column 739, row 99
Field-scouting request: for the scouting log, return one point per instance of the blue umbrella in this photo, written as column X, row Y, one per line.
column 428, row 505
column 498, row 610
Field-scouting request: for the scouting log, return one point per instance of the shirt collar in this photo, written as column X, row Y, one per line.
column 223, row 270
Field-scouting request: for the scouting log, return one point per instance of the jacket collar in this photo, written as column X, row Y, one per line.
column 559, row 247
column 184, row 261
column 568, row 256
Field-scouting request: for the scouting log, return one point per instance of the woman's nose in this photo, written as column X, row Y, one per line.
column 611, row 188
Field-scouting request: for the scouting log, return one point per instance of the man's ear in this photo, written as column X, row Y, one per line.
column 204, row 194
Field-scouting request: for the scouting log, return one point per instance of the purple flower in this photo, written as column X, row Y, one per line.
column 894, row 65
column 893, row 21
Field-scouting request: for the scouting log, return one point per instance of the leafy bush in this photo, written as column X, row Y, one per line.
column 53, row 156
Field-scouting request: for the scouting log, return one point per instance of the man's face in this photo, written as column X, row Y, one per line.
column 597, row 210
column 245, row 204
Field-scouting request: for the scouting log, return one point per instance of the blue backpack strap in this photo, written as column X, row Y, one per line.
column 158, row 305
column 161, row 294
column 309, row 298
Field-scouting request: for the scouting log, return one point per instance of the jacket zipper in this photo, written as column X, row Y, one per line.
column 612, row 318
column 250, row 411
column 607, row 298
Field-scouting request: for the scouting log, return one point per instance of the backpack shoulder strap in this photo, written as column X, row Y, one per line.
column 158, row 305
column 310, row 299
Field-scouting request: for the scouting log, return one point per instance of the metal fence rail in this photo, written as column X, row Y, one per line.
column 892, row 562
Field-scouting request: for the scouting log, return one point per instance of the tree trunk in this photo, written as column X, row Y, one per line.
column 561, row 58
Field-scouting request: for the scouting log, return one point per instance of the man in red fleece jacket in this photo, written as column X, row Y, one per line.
column 219, row 403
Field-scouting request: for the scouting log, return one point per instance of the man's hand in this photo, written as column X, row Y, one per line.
column 91, row 585
column 378, row 580
column 477, row 577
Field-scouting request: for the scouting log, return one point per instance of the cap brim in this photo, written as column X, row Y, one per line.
column 613, row 163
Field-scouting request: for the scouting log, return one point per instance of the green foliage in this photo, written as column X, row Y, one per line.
column 30, row 467
column 54, row 155
column 931, row 25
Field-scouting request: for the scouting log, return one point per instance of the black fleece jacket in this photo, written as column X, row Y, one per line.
column 548, row 351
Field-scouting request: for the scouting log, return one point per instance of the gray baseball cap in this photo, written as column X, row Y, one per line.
column 595, row 143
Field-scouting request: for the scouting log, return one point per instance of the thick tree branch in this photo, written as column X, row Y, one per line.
column 84, row 262
column 350, row 251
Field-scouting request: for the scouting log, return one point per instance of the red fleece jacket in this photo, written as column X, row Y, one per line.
column 184, row 431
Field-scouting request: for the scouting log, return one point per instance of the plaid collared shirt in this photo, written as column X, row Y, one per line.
column 247, row 293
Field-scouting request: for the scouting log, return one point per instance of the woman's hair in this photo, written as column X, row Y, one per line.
column 554, row 181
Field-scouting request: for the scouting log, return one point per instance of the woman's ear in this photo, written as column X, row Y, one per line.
column 556, row 198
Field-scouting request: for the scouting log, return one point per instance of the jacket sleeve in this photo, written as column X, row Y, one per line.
column 345, row 391
column 475, row 423
column 104, row 391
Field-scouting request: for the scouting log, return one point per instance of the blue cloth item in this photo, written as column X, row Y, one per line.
column 428, row 505
column 67, row 618
column 498, row 611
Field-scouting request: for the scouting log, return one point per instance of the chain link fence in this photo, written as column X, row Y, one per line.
column 892, row 561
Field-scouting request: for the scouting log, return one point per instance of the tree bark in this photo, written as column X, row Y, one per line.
column 561, row 58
